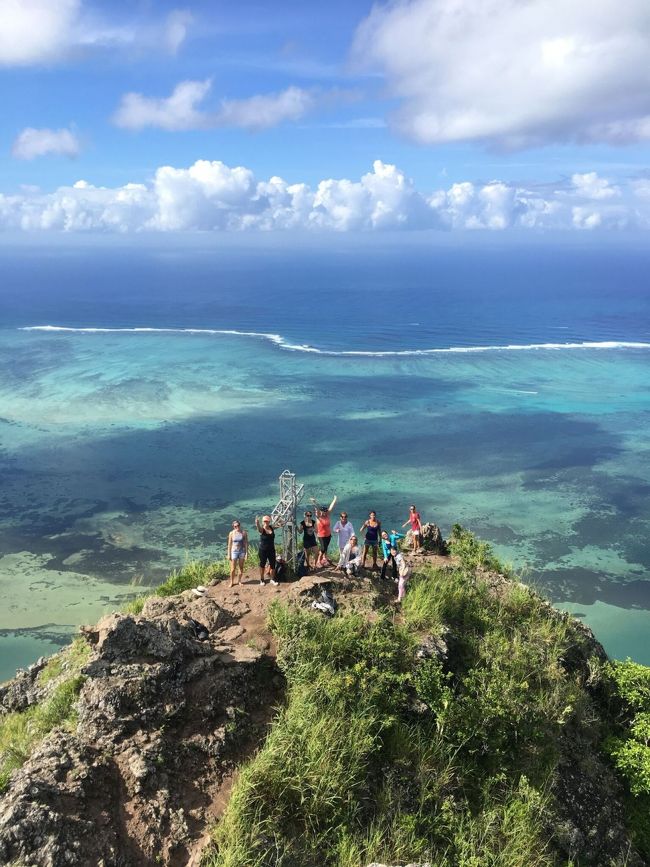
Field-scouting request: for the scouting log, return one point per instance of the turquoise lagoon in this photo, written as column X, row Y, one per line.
column 124, row 453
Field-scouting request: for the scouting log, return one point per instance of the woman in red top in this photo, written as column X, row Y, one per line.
column 416, row 527
column 323, row 531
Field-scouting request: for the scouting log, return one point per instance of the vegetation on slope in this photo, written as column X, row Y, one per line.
column 20, row 733
column 379, row 755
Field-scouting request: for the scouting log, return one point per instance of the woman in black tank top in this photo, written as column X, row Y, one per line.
column 267, row 546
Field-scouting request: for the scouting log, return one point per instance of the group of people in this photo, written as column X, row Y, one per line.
column 317, row 531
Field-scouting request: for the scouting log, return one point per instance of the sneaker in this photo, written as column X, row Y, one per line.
column 262, row 582
column 274, row 582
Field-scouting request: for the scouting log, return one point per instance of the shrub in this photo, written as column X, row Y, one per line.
column 629, row 746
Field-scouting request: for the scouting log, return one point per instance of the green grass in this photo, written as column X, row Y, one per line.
column 71, row 659
column 193, row 574
column 20, row 733
column 379, row 756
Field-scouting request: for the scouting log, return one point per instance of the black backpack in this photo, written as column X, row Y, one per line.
column 301, row 568
column 199, row 631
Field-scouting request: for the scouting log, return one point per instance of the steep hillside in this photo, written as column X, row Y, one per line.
column 475, row 726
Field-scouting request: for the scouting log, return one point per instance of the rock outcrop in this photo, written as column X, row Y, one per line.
column 163, row 720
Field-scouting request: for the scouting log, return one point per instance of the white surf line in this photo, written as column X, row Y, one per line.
column 279, row 341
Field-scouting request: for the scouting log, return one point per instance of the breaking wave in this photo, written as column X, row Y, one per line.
column 280, row 341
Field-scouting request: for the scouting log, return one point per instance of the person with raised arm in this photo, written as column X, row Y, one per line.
column 237, row 551
column 267, row 546
column 416, row 527
column 323, row 531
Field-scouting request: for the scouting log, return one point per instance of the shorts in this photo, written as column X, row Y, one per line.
column 237, row 555
column 324, row 543
column 415, row 532
column 267, row 556
column 370, row 544
column 309, row 545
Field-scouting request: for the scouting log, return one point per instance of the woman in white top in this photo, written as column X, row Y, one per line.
column 237, row 551
column 344, row 530
column 350, row 559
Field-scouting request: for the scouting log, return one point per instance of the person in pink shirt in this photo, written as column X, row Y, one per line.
column 416, row 527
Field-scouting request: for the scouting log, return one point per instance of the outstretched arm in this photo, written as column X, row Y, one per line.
column 332, row 504
column 257, row 523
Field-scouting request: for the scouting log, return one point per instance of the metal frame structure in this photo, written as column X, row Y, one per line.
column 284, row 514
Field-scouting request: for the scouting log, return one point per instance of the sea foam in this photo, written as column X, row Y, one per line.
column 280, row 341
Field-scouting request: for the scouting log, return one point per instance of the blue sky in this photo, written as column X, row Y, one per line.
column 550, row 99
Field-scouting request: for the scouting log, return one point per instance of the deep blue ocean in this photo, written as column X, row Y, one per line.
column 505, row 387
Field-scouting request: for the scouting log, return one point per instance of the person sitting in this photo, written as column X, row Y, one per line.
column 350, row 559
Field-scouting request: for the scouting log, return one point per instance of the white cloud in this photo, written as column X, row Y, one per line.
column 210, row 196
column 264, row 111
column 34, row 32
column 511, row 73
column 176, row 112
column 31, row 143
column 182, row 111
column 591, row 186
column 176, row 28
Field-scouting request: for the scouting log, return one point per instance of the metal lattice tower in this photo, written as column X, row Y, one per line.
column 284, row 514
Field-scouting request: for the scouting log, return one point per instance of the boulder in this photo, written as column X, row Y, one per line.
column 431, row 540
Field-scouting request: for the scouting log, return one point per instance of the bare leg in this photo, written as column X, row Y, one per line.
column 233, row 567
column 365, row 554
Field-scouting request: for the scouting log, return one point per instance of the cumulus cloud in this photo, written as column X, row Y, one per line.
column 175, row 112
column 513, row 74
column 210, row 196
column 182, row 110
column 32, row 143
column 46, row 31
column 35, row 31
column 591, row 186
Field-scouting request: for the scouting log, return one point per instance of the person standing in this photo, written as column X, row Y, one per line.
column 404, row 575
column 308, row 529
column 324, row 531
column 344, row 530
column 237, row 551
column 389, row 549
column 416, row 527
column 267, row 546
column 373, row 531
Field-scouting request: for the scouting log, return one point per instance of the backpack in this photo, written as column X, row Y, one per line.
column 199, row 631
column 280, row 570
column 301, row 568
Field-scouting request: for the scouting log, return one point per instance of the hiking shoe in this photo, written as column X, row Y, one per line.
column 262, row 582
column 274, row 582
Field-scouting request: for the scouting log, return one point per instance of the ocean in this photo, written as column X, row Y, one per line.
column 148, row 395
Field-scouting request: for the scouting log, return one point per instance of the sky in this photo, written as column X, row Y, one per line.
column 140, row 117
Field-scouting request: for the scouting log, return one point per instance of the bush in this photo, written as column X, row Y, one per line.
column 629, row 746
